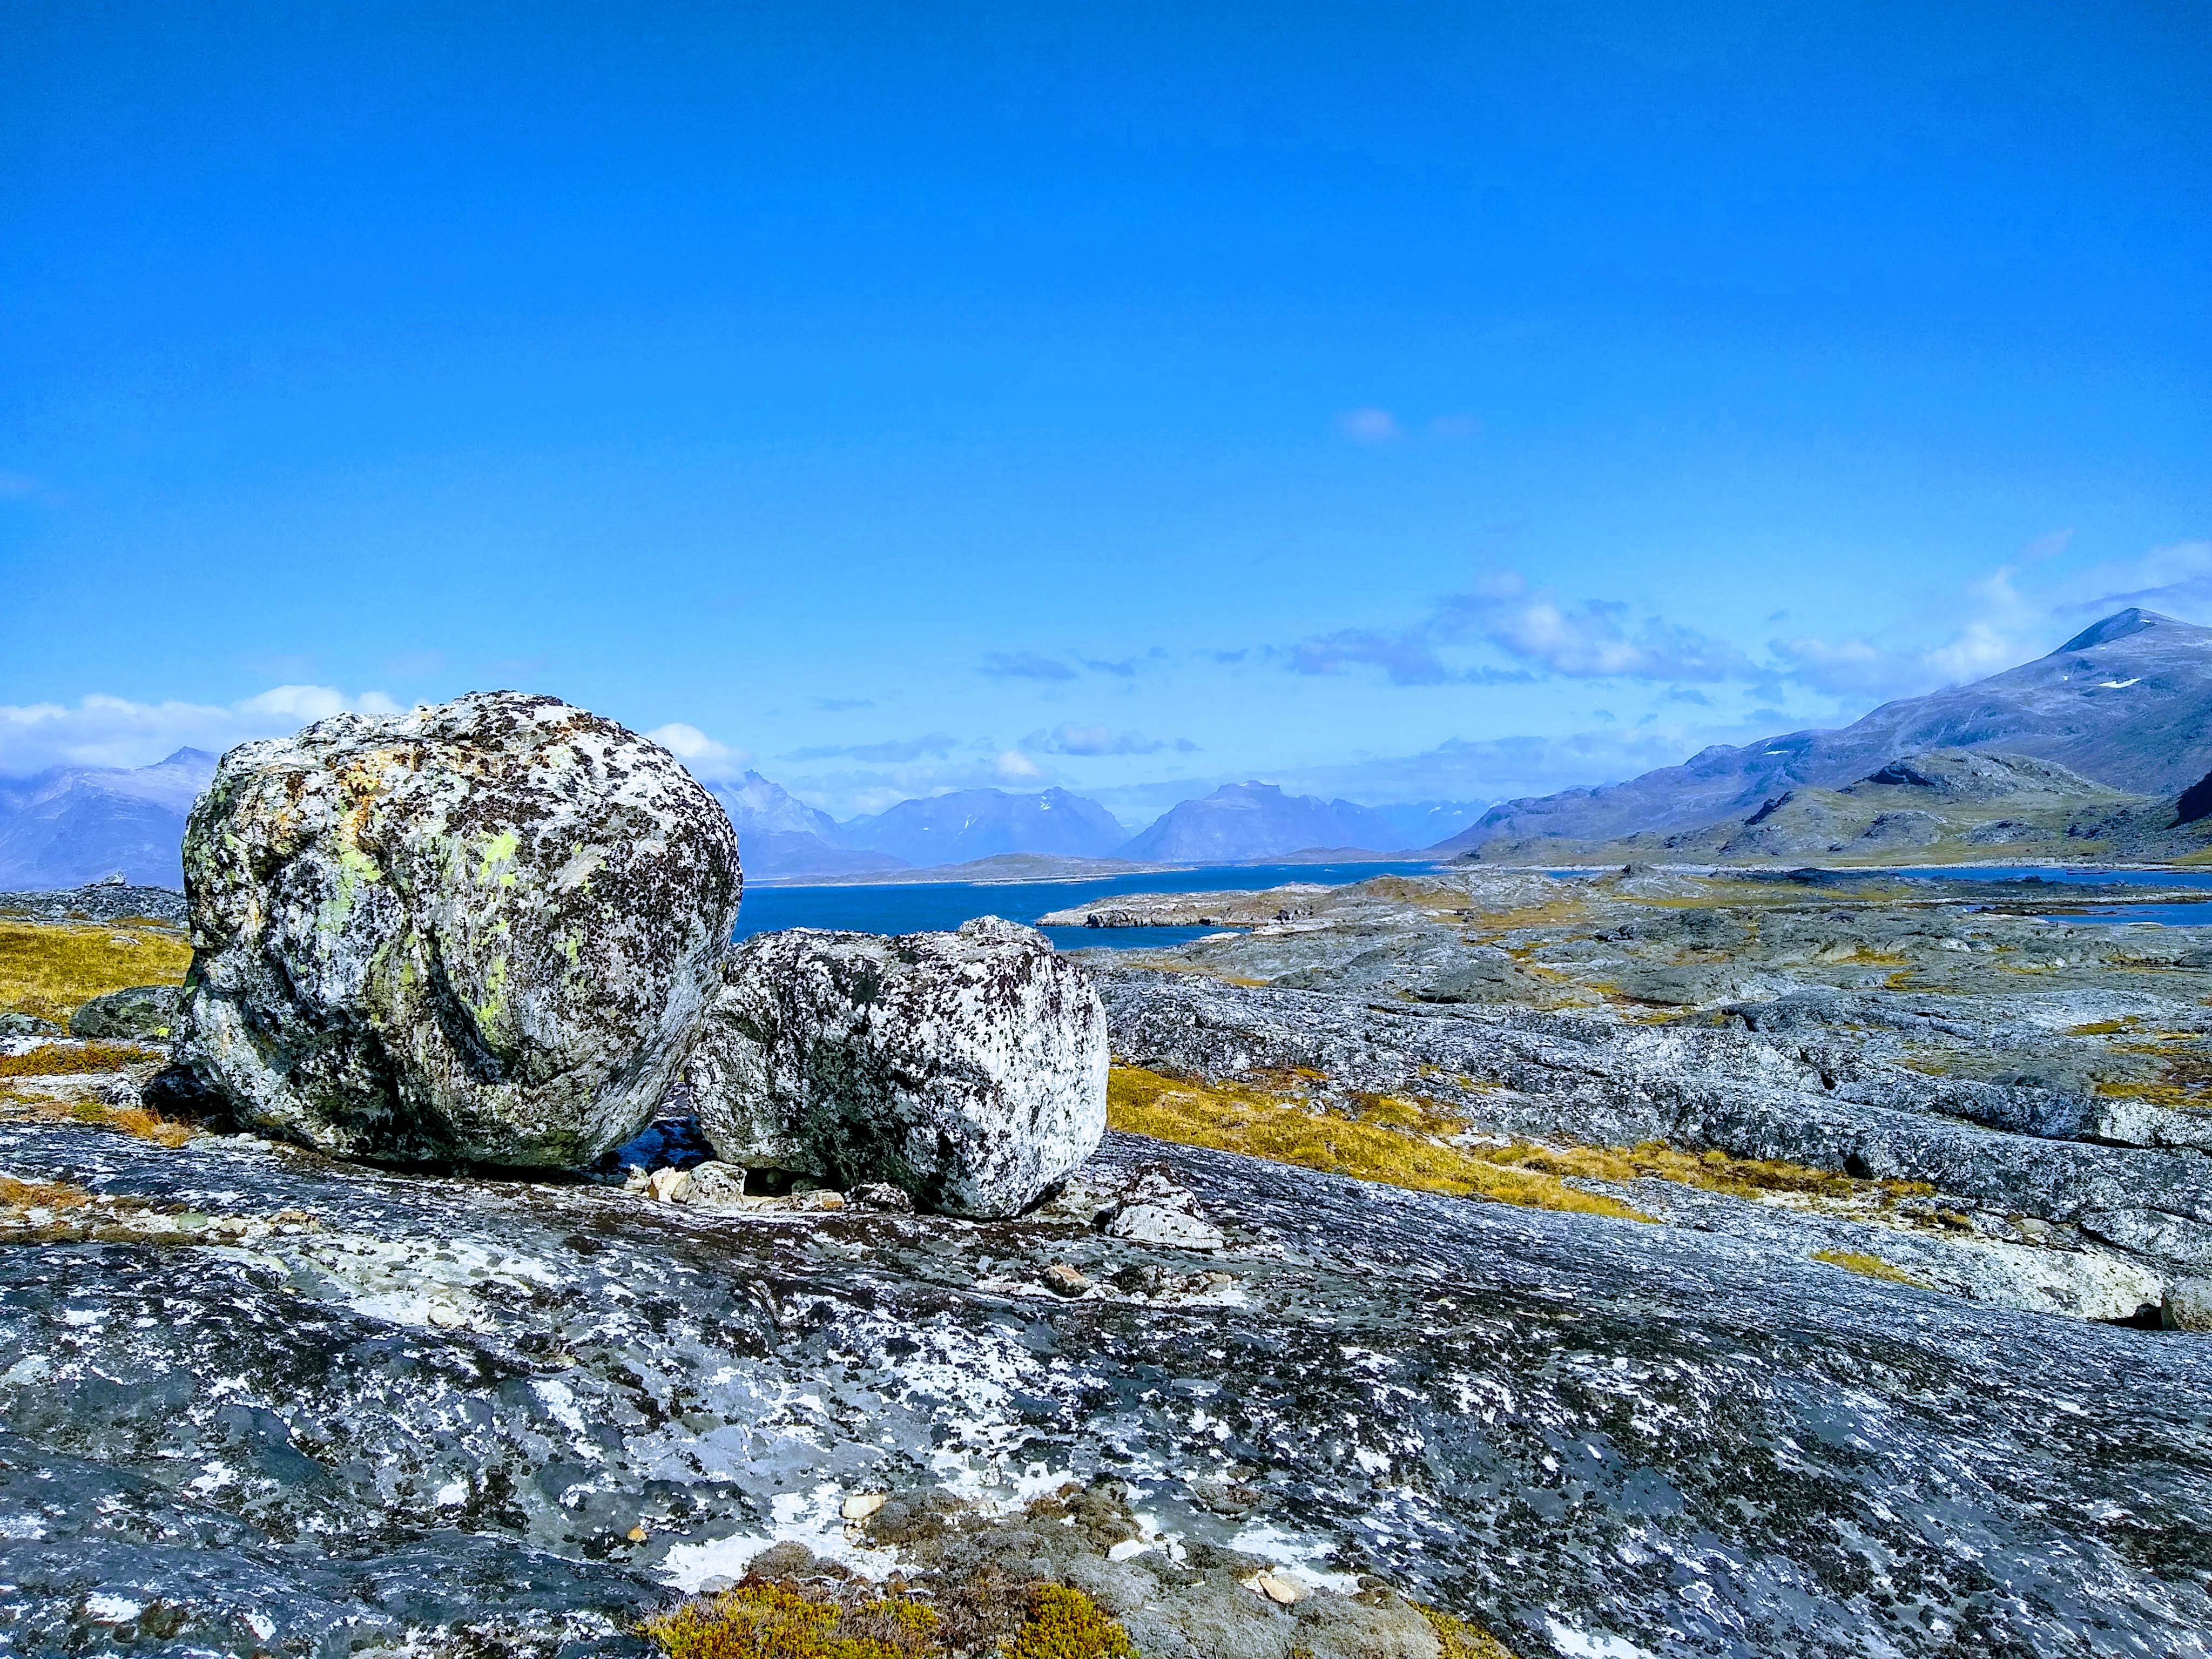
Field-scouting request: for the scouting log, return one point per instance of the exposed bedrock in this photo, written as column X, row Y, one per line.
column 968, row 1069
column 1519, row 1072
column 486, row 931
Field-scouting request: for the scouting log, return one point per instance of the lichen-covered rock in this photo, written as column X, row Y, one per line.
column 486, row 931
column 968, row 1069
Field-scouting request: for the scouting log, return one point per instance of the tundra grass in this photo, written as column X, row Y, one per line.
column 49, row 968
column 62, row 1059
column 40, row 1194
column 135, row 1121
column 1868, row 1266
column 1231, row 1119
column 1405, row 1143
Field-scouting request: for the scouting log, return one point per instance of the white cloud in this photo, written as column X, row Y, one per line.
column 1072, row 740
column 705, row 757
column 1998, row 626
column 1593, row 638
column 1368, row 426
column 109, row 731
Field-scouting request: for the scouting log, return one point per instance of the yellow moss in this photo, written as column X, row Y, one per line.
column 774, row 1621
column 48, row 968
column 1868, row 1266
column 1237, row 1119
column 1460, row 1640
column 1065, row 1624
column 2105, row 1027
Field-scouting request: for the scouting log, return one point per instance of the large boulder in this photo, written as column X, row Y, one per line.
column 968, row 1069
column 141, row 1013
column 486, row 931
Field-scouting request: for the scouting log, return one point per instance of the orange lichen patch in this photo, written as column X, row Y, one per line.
column 1234, row 1119
column 48, row 968
column 65, row 1060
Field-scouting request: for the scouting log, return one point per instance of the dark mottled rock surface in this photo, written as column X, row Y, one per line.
column 330, row 1410
column 967, row 1068
column 486, row 931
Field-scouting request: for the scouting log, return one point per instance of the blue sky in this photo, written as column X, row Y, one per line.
column 1406, row 402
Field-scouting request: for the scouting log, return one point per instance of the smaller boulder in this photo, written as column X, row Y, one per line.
column 27, row 1025
column 143, row 1013
column 967, row 1069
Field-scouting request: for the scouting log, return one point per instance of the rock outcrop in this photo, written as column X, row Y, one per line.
column 968, row 1069
column 486, row 931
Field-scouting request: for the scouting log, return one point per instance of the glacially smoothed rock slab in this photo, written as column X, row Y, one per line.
column 486, row 931
column 414, row 1413
column 968, row 1069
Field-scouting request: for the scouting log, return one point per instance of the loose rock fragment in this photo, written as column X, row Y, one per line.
column 968, row 1069
column 669, row 1186
column 1279, row 1588
column 862, row 1505
column 484, row 930
column 1064, row 1279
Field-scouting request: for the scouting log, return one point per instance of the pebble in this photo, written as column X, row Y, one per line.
column 1064, row 1279
column 861, row 1505
column 1279, row 1588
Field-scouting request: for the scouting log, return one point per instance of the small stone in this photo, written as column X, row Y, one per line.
column 638, row 1533
column 1279, row 1588
column 1149, row 1224
column 1064, row 1279
column 670, row 1185
column 861, row 1505
column 880, row 1195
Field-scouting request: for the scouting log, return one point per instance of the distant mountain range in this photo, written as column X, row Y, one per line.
column 2092, row 746
column 74, row 824
column 981, row 823
column 1258, row 821
column 2125, row 704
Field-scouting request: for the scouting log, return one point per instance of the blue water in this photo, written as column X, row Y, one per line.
column 2166, row 916
column 929, row 907
column 2072, row 876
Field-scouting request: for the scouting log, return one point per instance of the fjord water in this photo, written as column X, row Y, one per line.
column 921, row 906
